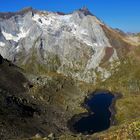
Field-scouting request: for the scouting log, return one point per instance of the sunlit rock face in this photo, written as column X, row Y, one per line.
column 74, row 44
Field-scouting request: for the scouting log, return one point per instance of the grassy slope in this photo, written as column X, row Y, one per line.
column 127, row 82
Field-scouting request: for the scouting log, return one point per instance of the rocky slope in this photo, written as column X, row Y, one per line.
column 76, row 44
column 33, row 105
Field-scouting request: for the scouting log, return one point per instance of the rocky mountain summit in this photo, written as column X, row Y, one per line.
column 76, row 44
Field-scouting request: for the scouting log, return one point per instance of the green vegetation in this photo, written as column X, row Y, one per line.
column 126, row 80
column 33, row 64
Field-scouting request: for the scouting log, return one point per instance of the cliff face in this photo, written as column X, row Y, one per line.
column 76, row 44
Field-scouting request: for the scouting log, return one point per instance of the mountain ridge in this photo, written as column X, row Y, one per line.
column 54, row 34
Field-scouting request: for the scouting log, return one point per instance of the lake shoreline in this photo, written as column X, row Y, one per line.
column 112, row 110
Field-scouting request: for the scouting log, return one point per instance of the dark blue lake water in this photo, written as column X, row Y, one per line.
column 99, row 116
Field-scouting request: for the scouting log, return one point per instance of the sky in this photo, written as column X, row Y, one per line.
column 122, row 14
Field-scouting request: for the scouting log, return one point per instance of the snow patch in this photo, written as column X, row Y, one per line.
column 41, row 20
column 9, row 36
column 2, row 44
column 22, row 34
column 51, row 20
column 51, row 17
column 17, row 48
column 95, row 44
column 65, row 18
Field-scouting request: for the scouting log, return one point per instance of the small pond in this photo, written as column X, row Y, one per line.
column 98, row 118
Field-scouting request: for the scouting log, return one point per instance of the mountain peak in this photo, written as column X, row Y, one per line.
column 85, row 11
column 27, row 9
